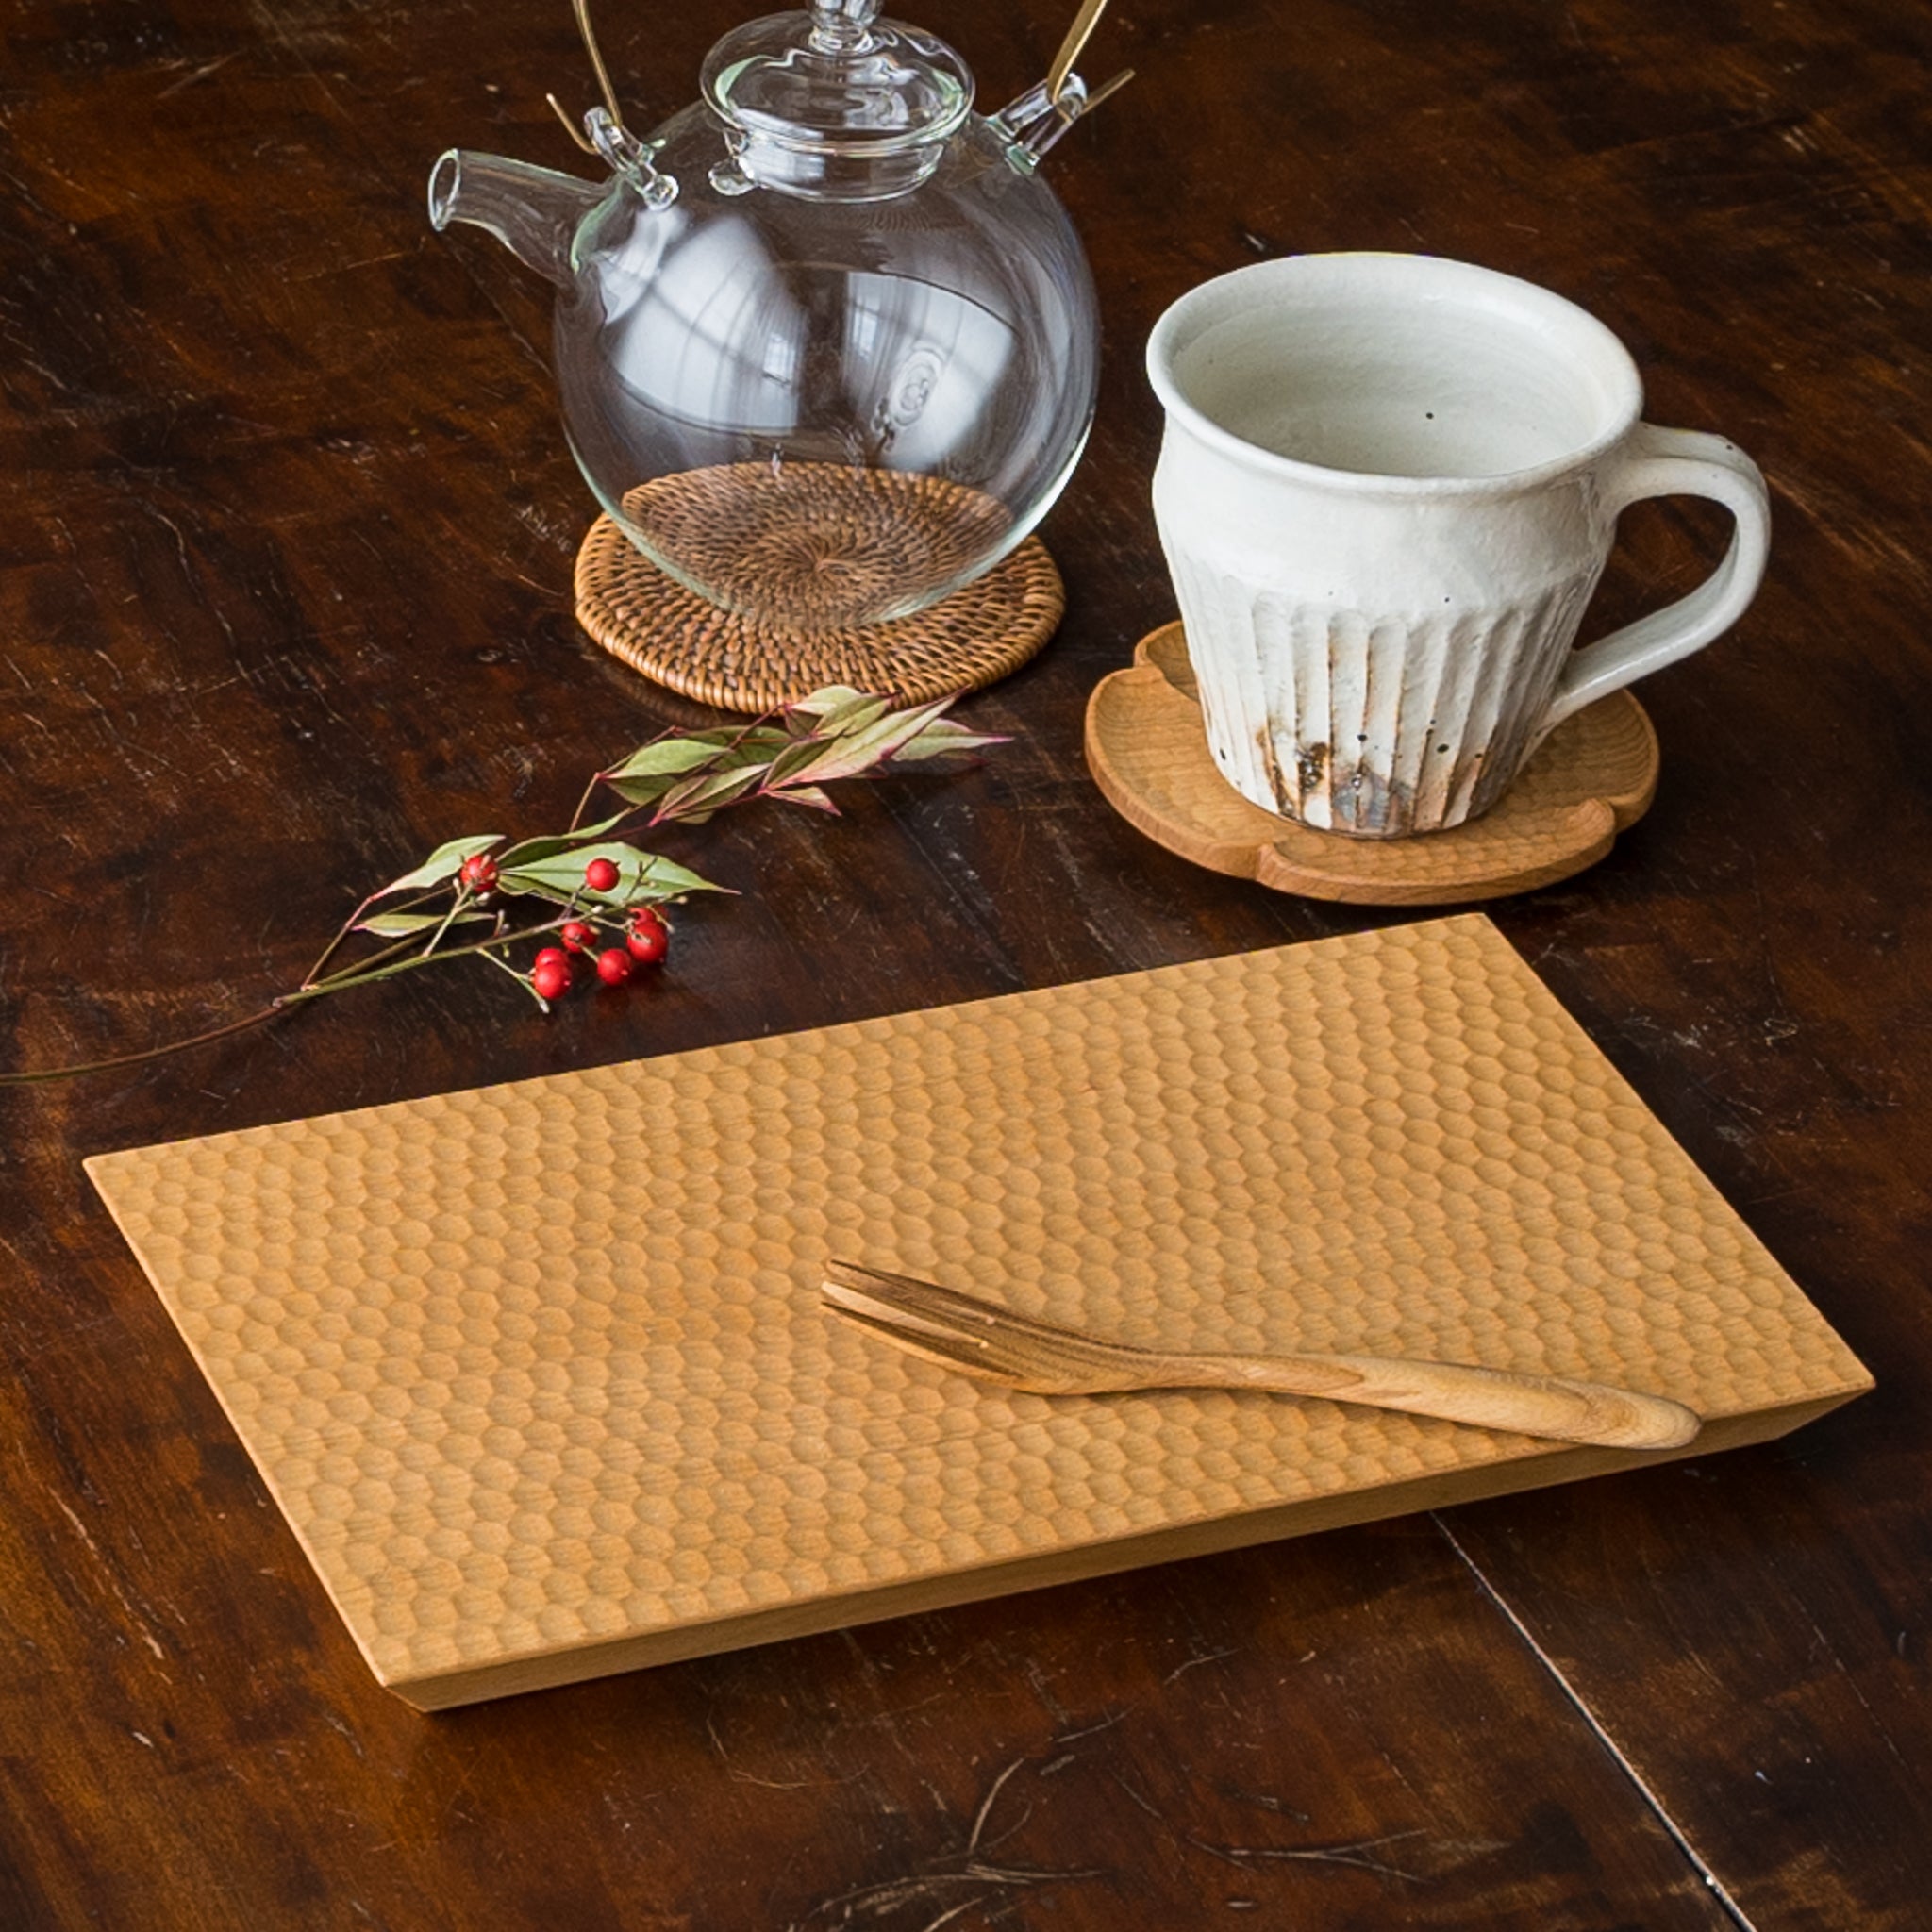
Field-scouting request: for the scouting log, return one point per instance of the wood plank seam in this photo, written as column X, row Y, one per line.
column 1677, row 1833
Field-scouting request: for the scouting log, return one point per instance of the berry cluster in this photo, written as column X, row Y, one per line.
column 647, row 933
column 647, row 939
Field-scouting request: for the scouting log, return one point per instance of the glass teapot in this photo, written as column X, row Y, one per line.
column 827, row 345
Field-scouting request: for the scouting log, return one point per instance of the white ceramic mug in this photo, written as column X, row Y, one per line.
column 1387, row 487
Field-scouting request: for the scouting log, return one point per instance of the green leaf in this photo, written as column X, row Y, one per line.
column 529, row 850
column 701, row 796
column 859, row 711
column 794, row 760
column 399, row 925
column 725, row 749
column 809, row 794
column 941, row 738
column 642, row 877
column 845, row 757
column 443, row 863
column 662, row 756
column 827, row 698
column 665, row 880
column 642, row 791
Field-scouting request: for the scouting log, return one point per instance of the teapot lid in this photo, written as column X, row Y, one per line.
column 798, row 90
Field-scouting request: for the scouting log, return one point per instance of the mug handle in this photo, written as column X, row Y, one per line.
column 1673, row 462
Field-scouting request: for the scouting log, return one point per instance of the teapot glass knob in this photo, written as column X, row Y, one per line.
column 839, row 27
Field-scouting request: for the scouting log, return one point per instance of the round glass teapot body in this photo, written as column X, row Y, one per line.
column 828, row 413
column 827, row 345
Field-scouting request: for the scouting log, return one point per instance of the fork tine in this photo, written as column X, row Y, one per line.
column 989, row 1364
column 1031, row 1355
column 902, row 1297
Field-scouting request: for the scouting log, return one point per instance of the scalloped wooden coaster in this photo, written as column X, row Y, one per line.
column 1593, row 778
column 777, row 544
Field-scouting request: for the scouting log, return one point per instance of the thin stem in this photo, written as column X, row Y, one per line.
column 348, row 925
column 386, row 966
column 522, row 979
column 357, row 975
column 343, row 974
column 456, row 906
column 342, row 932
column 273, row 1011
column 583, row 13
column 577, row 818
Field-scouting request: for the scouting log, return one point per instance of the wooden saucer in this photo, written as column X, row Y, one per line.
column 1593, row 778
column 774, row 544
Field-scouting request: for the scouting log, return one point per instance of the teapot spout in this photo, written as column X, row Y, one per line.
column 533, row 211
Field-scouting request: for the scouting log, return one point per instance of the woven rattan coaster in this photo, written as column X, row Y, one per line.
column 1592, row 778
column 782, row 545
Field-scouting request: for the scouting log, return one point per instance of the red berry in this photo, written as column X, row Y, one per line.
column 648, row 938
column 599, row 876
column 551, row 979
column 614, row 967
column 577, row 936
column 478, row 873
column 554, row 956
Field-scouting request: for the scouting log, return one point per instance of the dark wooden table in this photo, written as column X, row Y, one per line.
column 287, row 528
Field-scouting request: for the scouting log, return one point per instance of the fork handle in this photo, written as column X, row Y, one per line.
column 1550, row 1406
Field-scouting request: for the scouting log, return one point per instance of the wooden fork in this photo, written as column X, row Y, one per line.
column 978, row 1338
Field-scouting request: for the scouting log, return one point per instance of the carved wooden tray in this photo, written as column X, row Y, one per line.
column 537, row 1373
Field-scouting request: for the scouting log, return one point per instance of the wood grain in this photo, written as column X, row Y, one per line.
column 287, row 527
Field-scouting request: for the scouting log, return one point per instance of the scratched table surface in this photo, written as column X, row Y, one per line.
column 286, row 535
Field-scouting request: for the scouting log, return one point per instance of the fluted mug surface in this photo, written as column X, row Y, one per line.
column 1387, row 489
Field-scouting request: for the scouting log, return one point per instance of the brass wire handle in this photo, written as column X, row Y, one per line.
column 582, row 9
column 1071, row 49
column 1060, row 77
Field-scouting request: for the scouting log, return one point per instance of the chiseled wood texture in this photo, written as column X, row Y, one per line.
column 288, row 526
column 517, row 1461
column 1593, row 778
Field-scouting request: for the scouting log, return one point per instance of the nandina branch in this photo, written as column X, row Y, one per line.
column 600, row 883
